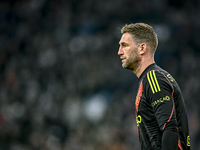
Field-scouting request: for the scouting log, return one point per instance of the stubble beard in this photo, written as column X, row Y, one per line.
column 132, row 63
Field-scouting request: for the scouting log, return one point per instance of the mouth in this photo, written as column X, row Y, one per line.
column 122, row 59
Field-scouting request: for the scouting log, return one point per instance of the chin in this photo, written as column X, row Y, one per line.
column 126, row 67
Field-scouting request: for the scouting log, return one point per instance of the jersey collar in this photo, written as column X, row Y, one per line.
column 149, row 68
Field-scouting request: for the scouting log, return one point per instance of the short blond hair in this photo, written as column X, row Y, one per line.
column 142, row 33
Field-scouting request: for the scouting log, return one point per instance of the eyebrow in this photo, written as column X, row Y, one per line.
column 122, row 43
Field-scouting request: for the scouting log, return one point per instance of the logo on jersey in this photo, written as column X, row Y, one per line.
column 188, row 140
column 153, row 82
column 166, row 98
column 170, row 77
column 138, row 120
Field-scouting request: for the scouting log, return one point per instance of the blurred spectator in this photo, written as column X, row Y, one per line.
column 62, row 85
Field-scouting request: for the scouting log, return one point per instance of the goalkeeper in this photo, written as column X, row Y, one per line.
column 160, row 109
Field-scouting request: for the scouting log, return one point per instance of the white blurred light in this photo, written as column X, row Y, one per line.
column 95, row 107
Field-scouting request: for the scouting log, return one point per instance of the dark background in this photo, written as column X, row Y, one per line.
column 62, row 86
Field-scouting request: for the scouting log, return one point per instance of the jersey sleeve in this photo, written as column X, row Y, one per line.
column 159, row 92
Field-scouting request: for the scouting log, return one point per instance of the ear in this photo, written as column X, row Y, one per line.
column 142, row 48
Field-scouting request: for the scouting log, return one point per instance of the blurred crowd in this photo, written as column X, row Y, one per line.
column 62, row 86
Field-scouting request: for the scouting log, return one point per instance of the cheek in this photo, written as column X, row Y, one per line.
column 135, row 52
column 132, row 54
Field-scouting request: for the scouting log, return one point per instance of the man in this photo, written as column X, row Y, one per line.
column 160, row 109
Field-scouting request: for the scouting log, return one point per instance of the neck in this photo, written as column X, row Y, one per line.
column 142, row 66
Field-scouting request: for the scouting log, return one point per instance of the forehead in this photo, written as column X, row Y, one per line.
column 126, row 38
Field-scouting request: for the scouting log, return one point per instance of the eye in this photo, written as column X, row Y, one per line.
column 124, row 44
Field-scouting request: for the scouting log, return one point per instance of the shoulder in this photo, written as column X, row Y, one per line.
column 157, row 81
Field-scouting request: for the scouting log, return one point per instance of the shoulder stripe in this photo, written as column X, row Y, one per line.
column 152, row 79
column 153, row 82
column 150, row 83
column 156, row 81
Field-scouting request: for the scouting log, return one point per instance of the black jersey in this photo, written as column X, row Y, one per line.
column 160, row 107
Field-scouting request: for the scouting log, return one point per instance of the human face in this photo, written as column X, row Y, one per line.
column 128, row 52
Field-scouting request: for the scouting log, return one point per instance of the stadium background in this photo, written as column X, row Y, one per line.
column 62, row 86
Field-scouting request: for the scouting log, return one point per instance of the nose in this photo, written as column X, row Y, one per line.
column 120, row 51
